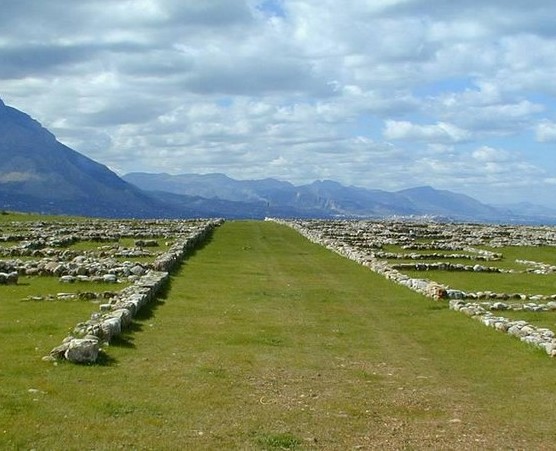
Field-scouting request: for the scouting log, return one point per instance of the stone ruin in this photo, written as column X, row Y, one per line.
column 84, row 343
column 362, row 241
column 40, row 249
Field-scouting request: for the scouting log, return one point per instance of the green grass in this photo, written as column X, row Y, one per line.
column 94, row 246
column 277, row 441
column 398, row 249
column 6, row 217
column 543, row 254
column 42, row 286
column 503, row 264
column 526, row 283
column 540, row 254
column 537, row 319
column 500, row 283
column 122, row 242
column 265, row 341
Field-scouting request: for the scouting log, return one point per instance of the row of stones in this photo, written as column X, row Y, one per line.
column 83, row 345
column 46, row 241
column 443, row 266
column 47, row 238
column 9, row 277
column 80, row 295
column 538, row 267
column 42, row 234
column 537, row 336
column 534, row 267
column 414, row 256
column 438, row 236
column 542, row 338
column 80, row 268
column 19, row 250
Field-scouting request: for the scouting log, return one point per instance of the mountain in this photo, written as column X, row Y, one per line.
column 210, row 186
column 324, row 198
column 431, row 201
column 38, row 173
column 529, row 209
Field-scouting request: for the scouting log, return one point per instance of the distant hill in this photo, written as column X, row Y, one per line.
column 324, row 198
column 40, row 174
column 446, row 203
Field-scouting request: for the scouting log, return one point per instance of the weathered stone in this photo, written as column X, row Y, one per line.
column 455, row 294
column 109, row 278
column 138, row 270
column 110, row 327
column 551, row 349
column 82, row 350
column 59, row 351
column 123, row 315
column 10, row 278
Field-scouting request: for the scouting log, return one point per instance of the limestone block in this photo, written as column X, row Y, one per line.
column 110, row 278
column 82, row 350
column 124, row 315
column 110, row 327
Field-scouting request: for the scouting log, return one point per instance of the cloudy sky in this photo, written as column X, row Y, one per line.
column 386, row 94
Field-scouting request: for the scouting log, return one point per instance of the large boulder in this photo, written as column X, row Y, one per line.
column 9, row 278
column 110, row 327
column 82, row 350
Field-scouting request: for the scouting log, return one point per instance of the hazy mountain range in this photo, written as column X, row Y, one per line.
column 38, row 173
column 321, row 198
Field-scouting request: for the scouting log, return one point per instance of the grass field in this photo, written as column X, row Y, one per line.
column 10, row 216
column 265, row 341
column 482, row 281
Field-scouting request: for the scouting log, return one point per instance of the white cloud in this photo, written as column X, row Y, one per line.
column 490, row 174
column 486, row 110
column 439, row 133
column 300, row 90
column 546, row 131
column 490, row 155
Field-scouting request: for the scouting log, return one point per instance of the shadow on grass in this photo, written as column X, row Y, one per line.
column 104, row 359
column 126, row 338
column 148, row 311
column 191, row 253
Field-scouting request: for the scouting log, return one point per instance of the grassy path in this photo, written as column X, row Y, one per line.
column 265, row 341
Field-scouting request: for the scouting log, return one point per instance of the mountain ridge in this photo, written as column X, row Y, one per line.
column 327, row 197
column 40, row 174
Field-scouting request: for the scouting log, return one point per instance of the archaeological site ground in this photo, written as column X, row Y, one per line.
column 333, row 335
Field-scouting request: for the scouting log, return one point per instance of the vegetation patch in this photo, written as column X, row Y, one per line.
column 277, row 440
column 266, row 341
column 526, row 283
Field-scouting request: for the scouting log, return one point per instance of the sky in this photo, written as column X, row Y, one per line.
column 381, row 94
